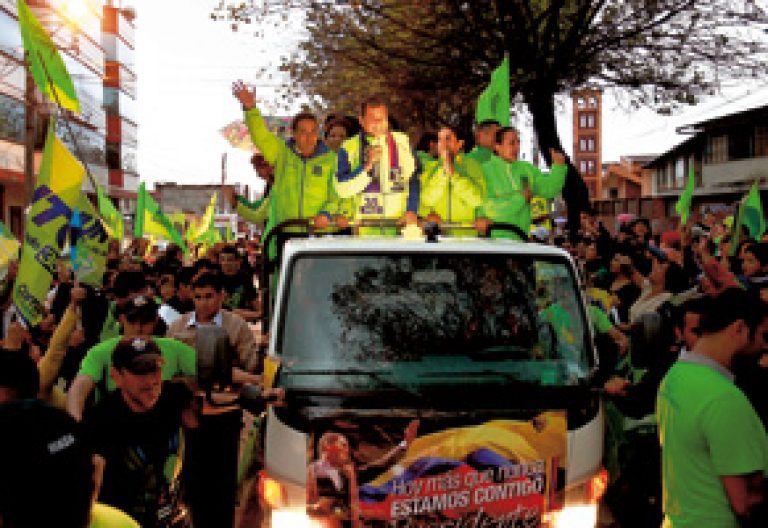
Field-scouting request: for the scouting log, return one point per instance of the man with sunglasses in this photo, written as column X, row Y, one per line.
column 138, row 318
column 137, row 432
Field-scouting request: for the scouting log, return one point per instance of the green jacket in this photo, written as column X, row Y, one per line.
column 454, row 198
column 480, row 154
column 504, row 200
column 254, row 212
column 303, row 187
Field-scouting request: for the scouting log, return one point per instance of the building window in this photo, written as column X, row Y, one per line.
column 717, row 149
column 740, row 144
column 761, row 141
column 680, row 172
column 591, row 167
column 593, row 101
column 583, row 167
column 581, row 103
column 587, row 144
column 586, row 120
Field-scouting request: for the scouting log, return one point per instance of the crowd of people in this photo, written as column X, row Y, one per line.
column 103, row 424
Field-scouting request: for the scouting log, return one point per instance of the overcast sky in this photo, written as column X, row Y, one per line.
column 186, row 62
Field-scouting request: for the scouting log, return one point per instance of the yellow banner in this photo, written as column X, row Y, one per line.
column 57, row 192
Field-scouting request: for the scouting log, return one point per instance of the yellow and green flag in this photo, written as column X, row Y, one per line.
column 493, row 103
column 150, row 219
column 683, row 205
column 200, row 230
column 113, row 220
column 57, row 192
column 9, row 246
column 44, row 61
column 90, row 249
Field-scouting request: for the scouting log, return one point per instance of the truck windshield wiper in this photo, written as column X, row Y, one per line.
column 372, row 374
column 476, row 374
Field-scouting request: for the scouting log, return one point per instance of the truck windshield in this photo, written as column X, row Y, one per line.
column 368, row 322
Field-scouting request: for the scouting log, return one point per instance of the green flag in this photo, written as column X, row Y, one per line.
column 150, row 219
column 493, row 103
column 57, row 192
column 750, row 214
column 683, row 205
column 113, row 220
column 753, row 216
column 45, row 63
column 91, row 248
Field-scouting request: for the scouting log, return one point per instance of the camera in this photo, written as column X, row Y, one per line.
column 654, row 332
column 215, row 359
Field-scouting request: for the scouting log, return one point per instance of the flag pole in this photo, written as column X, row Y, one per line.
column 68, row 126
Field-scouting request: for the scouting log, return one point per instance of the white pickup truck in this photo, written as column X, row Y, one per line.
column 430, row 383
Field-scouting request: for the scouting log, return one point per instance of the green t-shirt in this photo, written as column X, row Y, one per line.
column 599, row 319
column 103, row 516
column 180, row 360
column 707, row 429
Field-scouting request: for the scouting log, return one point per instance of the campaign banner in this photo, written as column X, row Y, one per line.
column 430, row 472
column 57, row 191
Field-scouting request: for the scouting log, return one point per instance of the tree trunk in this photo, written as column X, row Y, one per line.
column 542, row 107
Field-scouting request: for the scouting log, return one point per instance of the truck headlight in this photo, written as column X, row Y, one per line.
column 575, row 516
column 293, row 519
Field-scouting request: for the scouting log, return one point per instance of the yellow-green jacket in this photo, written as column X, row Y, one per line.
column 303, row 187
column 398, row 185
column 455, row 198
column 505, row 182
column 254, row 212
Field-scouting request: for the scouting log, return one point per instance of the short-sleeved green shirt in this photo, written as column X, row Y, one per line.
column 599, row 319
column 707, row 429
column 103, row 516
column 180, row 360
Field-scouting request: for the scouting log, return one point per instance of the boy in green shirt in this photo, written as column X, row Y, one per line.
column 137, row 319
column 511, row 183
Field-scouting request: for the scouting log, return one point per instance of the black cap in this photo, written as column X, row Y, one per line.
column 136, row 355
column 140, row 309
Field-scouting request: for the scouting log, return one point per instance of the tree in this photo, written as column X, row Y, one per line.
column 432, row 58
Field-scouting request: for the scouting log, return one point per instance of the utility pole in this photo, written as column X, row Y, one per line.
column 30, row 134
column 224, row 202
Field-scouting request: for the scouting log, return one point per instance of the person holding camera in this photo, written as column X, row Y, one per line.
column 213, row 448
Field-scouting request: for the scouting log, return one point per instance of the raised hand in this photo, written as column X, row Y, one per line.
column 245, row 95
